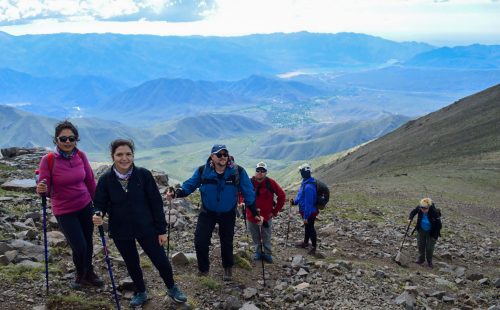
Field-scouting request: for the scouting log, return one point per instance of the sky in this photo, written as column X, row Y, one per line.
column 438, row 22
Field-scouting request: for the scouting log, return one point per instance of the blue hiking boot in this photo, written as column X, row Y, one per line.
column 139, row 299
column 176, row 294
column 268, row 258
column 257, row 256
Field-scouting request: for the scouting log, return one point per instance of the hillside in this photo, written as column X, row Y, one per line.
column 323, row 139
column 452, row 153
column 19, row 128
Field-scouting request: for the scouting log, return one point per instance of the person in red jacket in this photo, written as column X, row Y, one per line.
column 265, row 190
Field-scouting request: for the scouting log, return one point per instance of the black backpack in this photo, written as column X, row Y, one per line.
column 322, row 195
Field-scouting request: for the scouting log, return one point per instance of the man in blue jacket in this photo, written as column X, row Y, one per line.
column 219, row 181
column 306, row 199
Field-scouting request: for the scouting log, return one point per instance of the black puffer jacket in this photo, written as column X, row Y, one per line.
column 434, row 218
column 133, row 214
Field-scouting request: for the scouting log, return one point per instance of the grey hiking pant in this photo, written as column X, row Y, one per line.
column 266, row 236
column 425, row 245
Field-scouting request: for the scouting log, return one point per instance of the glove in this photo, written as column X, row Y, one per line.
column 179, row 193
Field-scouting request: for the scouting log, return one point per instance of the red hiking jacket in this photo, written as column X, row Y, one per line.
column 264, row 199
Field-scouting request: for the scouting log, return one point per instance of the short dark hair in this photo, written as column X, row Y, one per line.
column 119, row 142
column 66, row 125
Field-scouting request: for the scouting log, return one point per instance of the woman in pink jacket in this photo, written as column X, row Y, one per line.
column 66, row 177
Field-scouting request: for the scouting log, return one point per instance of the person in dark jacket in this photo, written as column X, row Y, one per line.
column 306, row 199
column 130, row 197
column 219, row 181
column 428, row 229
column 265, row 190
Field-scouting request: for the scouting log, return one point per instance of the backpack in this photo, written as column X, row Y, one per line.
column 268, row 184
column 235, row 178
column 322, row 195
column 50, row 159
column 269, row 187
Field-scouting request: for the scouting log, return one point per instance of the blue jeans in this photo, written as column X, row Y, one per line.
column 266, row 236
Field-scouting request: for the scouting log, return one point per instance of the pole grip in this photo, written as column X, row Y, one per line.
column 101, row 231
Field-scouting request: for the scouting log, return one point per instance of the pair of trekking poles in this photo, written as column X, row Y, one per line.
column 243, row 216
column 46, row 249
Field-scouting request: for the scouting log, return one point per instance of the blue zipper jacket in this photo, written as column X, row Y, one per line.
column 306, row 198
column 221, row 194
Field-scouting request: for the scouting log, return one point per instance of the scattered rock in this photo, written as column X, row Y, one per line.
column 179, row 259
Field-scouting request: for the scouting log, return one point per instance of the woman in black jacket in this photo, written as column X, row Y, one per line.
column 428, row 229
column 129, row 196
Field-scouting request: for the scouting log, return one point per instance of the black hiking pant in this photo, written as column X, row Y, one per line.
column 78, row 228
column 204, row 229
column 425, row 246
column 310, row 231
column 156, row 254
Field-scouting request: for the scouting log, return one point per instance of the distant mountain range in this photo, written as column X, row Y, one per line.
column 20, row 128
column 134, row 59
column 48, row 95
column 475, row 56
column 180, row 97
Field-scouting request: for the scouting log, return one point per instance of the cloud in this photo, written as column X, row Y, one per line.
column 14, row 12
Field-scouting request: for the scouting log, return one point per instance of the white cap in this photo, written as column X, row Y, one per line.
column 305, row 167
column 261, row 165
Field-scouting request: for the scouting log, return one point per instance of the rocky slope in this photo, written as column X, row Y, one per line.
column 360, row 233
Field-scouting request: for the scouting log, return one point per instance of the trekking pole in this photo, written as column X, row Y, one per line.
column 261, row 250
column 398, row 256
column 288, row 224
column 170, row 190
column 108, row 261
column 244, row 217
column 45, row 243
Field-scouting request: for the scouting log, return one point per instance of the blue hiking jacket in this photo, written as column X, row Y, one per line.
column 306, row 197
column 221, row 195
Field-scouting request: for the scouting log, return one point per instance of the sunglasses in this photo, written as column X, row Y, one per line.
column 422, row 207
column 220, row 155
column 262, row 170
column 64, row 138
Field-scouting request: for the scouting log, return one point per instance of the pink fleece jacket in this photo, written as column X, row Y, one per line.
column 71, row 184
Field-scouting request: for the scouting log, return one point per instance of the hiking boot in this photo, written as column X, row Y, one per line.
column 77, row 282
column 93, row 279
column 268, row 258
column 257, row 256
column 419, row 262
column 176, row 294
column 228, row 274
column 301, row 244
column 430, row 265
column 312, row 252
column 139, row 299
column 203, row 273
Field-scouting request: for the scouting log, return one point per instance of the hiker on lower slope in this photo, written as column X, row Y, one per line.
column 130, row 197
column 428, row 229
column 219, row 181
column 66, row 177
column 265, row 190
column 306, row 199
